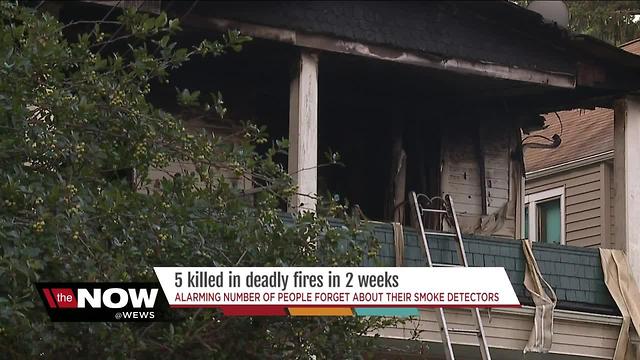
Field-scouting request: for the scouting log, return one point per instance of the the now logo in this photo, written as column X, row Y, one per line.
column 138, row 298
column 112, row 298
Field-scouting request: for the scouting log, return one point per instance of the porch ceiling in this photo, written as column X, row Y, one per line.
column 373, row 79
column 480, row 54
column 487, row 39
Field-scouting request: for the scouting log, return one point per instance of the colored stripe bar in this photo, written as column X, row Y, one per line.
column 320, row 311
column 253, row 310
column 399, row 312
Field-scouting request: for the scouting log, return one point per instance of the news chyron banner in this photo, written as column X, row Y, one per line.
column 334, row 291
column 280, row 291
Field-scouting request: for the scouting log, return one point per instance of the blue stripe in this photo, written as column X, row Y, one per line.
column 400, row 312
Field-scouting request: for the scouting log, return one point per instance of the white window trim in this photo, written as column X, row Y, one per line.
column 532, row 199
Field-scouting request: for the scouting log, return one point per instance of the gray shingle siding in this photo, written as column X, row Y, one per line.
column 574, row 273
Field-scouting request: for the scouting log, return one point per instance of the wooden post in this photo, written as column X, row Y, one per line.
column 627, row 179
column 303, row 132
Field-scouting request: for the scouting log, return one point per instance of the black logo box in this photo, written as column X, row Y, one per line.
column 161, row 310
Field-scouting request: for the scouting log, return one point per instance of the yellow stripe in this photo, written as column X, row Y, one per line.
column 320, row 311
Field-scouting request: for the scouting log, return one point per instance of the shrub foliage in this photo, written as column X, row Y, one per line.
column 78, row 136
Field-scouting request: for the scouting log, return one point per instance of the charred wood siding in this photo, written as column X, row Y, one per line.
column 462, row 178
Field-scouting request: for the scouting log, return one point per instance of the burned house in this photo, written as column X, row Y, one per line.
column 433, row 98
column 581, row 170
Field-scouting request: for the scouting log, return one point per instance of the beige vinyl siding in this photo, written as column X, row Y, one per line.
column 584, row 206
column 508, row 331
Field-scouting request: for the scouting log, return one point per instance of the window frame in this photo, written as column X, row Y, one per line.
column 531, row 202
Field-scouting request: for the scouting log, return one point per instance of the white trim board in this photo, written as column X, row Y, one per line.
column 532, row 199
column 569, row 165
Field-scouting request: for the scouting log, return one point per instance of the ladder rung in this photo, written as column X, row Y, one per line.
column 447, row 265
column 435, row 211
column 436, row 233
column 464, row 331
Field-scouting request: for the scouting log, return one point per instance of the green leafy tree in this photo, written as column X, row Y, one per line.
column 73, row 120
column 613, row 21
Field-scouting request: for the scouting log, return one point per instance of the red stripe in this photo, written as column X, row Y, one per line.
column 191, row 306
column 47, row 294
column 251, row 310
column 355, row 306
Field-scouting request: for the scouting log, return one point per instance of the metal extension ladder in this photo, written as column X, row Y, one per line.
column 443, row 207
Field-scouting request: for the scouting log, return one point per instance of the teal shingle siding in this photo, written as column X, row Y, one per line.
column 574, row 273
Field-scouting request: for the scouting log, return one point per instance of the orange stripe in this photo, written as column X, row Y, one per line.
column 320, row 311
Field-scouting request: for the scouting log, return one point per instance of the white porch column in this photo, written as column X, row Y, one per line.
column 303, row 132
column 627, row 179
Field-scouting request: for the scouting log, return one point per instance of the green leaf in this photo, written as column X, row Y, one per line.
column 174, row 25
column 164, row 41
column 148, row 25
column 161, row 20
